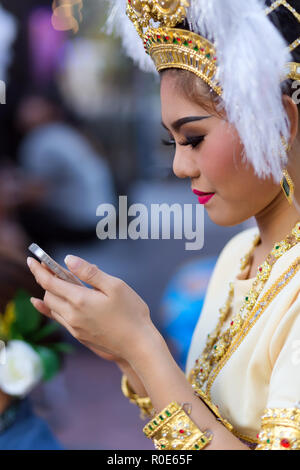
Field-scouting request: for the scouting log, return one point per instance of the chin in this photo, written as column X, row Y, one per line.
column 225, row 218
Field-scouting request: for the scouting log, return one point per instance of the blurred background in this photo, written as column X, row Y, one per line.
column 82, row 126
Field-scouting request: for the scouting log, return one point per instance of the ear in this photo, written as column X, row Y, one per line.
column 293, row 115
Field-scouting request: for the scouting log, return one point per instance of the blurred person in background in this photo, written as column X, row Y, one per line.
column 75, row 177
column 11, row 233
column 16, row 191
column 32, row 353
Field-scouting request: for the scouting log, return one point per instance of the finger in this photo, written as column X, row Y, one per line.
column 60, row 309
column 46, row 267
column 49, row 270
column 89, row 273
column 41, row 307
column 51, row 283
column 58, row 305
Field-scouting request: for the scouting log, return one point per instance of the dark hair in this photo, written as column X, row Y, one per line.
column 201, row 93
column 289, row 27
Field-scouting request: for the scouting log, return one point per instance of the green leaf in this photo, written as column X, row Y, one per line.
column 63, row 348
column 45, row 331
column 14, row 334
column 28, row 318
column 50, row 361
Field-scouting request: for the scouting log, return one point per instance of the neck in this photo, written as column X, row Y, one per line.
column 276, row 221
column 5, row 401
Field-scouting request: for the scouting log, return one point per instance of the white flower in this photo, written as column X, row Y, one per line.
column 22, row 369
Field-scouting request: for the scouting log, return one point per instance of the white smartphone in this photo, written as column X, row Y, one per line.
column 56, row 268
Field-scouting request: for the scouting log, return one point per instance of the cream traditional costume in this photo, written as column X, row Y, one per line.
column 244, row 359
column 256, row 382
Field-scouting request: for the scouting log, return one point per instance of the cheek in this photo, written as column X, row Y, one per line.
column 223, row 166
column 222, row 157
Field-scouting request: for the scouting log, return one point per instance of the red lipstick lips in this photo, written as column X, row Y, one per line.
column 200, row 193
column 203, row 197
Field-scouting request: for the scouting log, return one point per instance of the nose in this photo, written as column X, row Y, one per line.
column 184, row 165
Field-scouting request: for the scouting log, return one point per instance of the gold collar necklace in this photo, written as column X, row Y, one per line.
column 217, row 344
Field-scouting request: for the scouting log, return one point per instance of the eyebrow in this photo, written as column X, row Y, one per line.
column 180, row 122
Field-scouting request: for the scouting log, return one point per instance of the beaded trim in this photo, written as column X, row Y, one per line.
column 219, row 343
column 202, row 368
column 280, row 429
column 257, row 312
column 261, row 307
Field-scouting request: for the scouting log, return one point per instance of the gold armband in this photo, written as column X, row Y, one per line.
column 144, row 403
column 280, row 429
column 172, row 429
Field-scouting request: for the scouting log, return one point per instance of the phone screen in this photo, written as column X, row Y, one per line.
column 56, row 268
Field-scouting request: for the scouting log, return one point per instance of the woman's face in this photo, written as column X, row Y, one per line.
column 214, row 164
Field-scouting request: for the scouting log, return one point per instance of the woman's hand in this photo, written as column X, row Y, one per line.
column 123, row 365
column 111, row 319
column 42, row 308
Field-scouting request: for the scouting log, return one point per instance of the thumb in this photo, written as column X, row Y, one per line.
column 87, row 272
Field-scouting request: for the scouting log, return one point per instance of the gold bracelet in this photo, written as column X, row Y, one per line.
column 144, row 403
column 173, row 429
column 280, row 429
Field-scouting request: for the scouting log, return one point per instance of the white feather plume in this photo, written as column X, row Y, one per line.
column 252, row 55
column 119, row 23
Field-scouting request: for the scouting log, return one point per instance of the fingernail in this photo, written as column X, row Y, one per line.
column 72, row 262
column 29, row 261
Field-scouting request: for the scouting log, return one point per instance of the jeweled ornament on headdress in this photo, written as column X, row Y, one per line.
column 171, row 47
column 168, row 12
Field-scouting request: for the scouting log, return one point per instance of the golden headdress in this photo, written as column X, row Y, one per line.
column 173, row 47
column 231, row 45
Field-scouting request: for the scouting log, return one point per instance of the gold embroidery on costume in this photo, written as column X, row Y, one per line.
column 213, row 408
column 219, row 344
column 263, row 304
column 209, row 364
column 280, row 429
column 259, row 309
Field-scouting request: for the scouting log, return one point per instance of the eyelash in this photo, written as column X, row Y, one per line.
column 193, row 141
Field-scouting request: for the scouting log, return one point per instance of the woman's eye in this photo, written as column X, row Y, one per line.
column 193, row 141
column 170, row 142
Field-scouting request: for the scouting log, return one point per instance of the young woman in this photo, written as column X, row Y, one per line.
column 231, row 117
